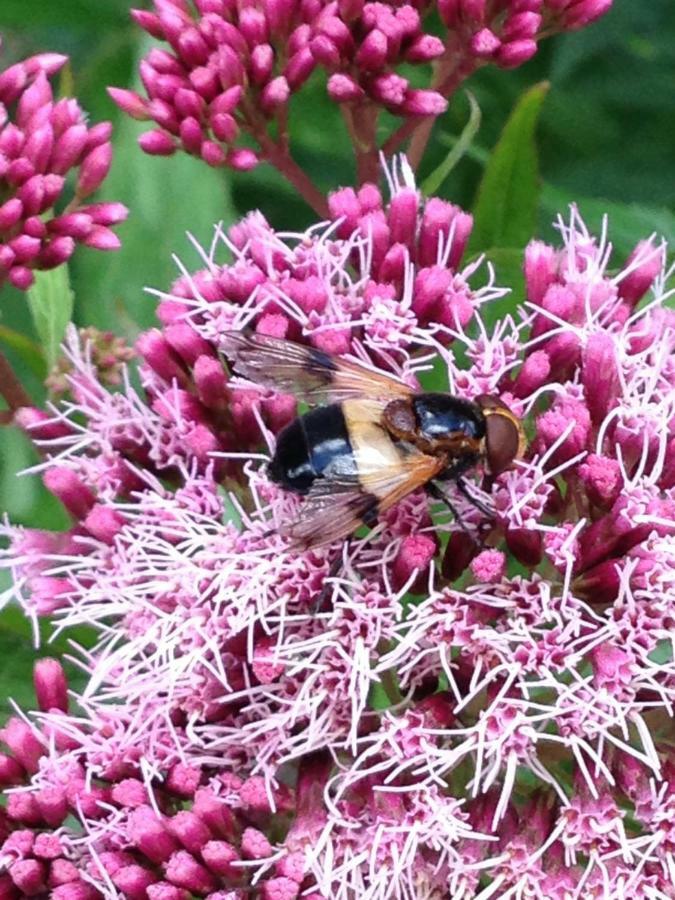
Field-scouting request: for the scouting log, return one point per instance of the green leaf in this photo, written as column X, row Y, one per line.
column 27, row 350
column 50, row 301
column 433, row 182
column 505, row 211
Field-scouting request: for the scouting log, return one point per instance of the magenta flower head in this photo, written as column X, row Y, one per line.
column 227, row 71
column 42, row 141
column 445, row 706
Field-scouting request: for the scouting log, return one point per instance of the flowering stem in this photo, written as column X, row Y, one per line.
column 362, row 124
column 281, row 159
column 447, row 80
column 11, row 388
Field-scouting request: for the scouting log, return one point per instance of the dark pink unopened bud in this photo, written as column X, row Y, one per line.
column 57, row 251
column 646, row 262
column 157, row 143
column 68, row 487
column 75, row 890
column 184, row 871
column 164, row 890
column 344, row 89
column 602, row 479
column 48, row 846
column 133, row 881
column 183, row 780
column 583, row 12
column 485, row 43
column 51, row 685
column 53, row 805
column 515, row 53
column 534, row 373
column 23, row 742
column 526, row 545
column 489, row 566
column 29, row 875
column 541, row 266
column 242, row 159
column 10, row 213
column 11, row 771
column 280, row 889
column 219, row 856
column 554, row 424
column 254, row 844
column 414, row 556
column 459, row 552
column 103, row 523
column 190, row 830
column 150, row 835
column 155, row 350
column 62, row 871
column 600, row 375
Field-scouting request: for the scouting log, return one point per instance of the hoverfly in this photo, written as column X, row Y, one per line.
column 375, row 441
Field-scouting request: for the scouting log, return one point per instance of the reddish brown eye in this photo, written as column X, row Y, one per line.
column 503, row 434
column 502, row 440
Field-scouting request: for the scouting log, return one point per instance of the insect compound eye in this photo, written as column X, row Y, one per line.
column 503, row 434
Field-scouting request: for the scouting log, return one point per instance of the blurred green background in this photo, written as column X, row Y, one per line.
column 605, row 138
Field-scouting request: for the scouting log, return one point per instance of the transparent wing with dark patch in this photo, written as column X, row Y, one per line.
column 336, row 507
column 308, row 373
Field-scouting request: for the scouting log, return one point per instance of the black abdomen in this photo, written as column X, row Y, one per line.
column 311, row 446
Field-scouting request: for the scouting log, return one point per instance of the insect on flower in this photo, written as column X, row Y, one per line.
column 375, row 441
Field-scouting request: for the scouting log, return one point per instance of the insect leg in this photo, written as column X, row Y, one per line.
column 438, row 493
column 474, row 501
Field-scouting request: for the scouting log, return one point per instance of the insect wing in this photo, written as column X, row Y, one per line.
column 306, row 372
column 336, row 507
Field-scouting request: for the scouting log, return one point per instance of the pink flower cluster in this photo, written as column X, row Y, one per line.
column 40, row 144
column 442, row 717
column 231, row 68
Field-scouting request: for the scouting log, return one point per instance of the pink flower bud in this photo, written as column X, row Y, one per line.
column 372, row 54
column 157, row 143
column 275, row 93
column 525, row 544
column 29, row 876
column 38, row 95
column 213, row 154
column 148, row 22
column 190, row 830
column 75, row 890
column 94, row 169
column 53, row 805
column 647, row 261
column 489, row 566
column 600, row 375
column 107, row 213
column 62, row 871
column 515, row 53
column 414, row 556
column 343, row 89
column 583, row 12
column 425, row 48
column 534, row 373
column 49, row 594
column 21, row 277
column 10, row 213
column 485, row 43
column 150, row 835
column 191, row 135
column 57, row 251
column 67, row 486
column 48, row 846
column 51, row 685
column 11, row 771
column 103, row 523
column 25, row 248
column 254, row 844
column 299, row 67
column 163, row 890
column 602, row 479
column 219, row 856
column 129, row 102
column 612, row 668
column 155, row 350
column 242, row 159
column 133, row 881
column 280, row 889
column 541, row 266
column 77, row 225
column 22, row 741
column 183, row 870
